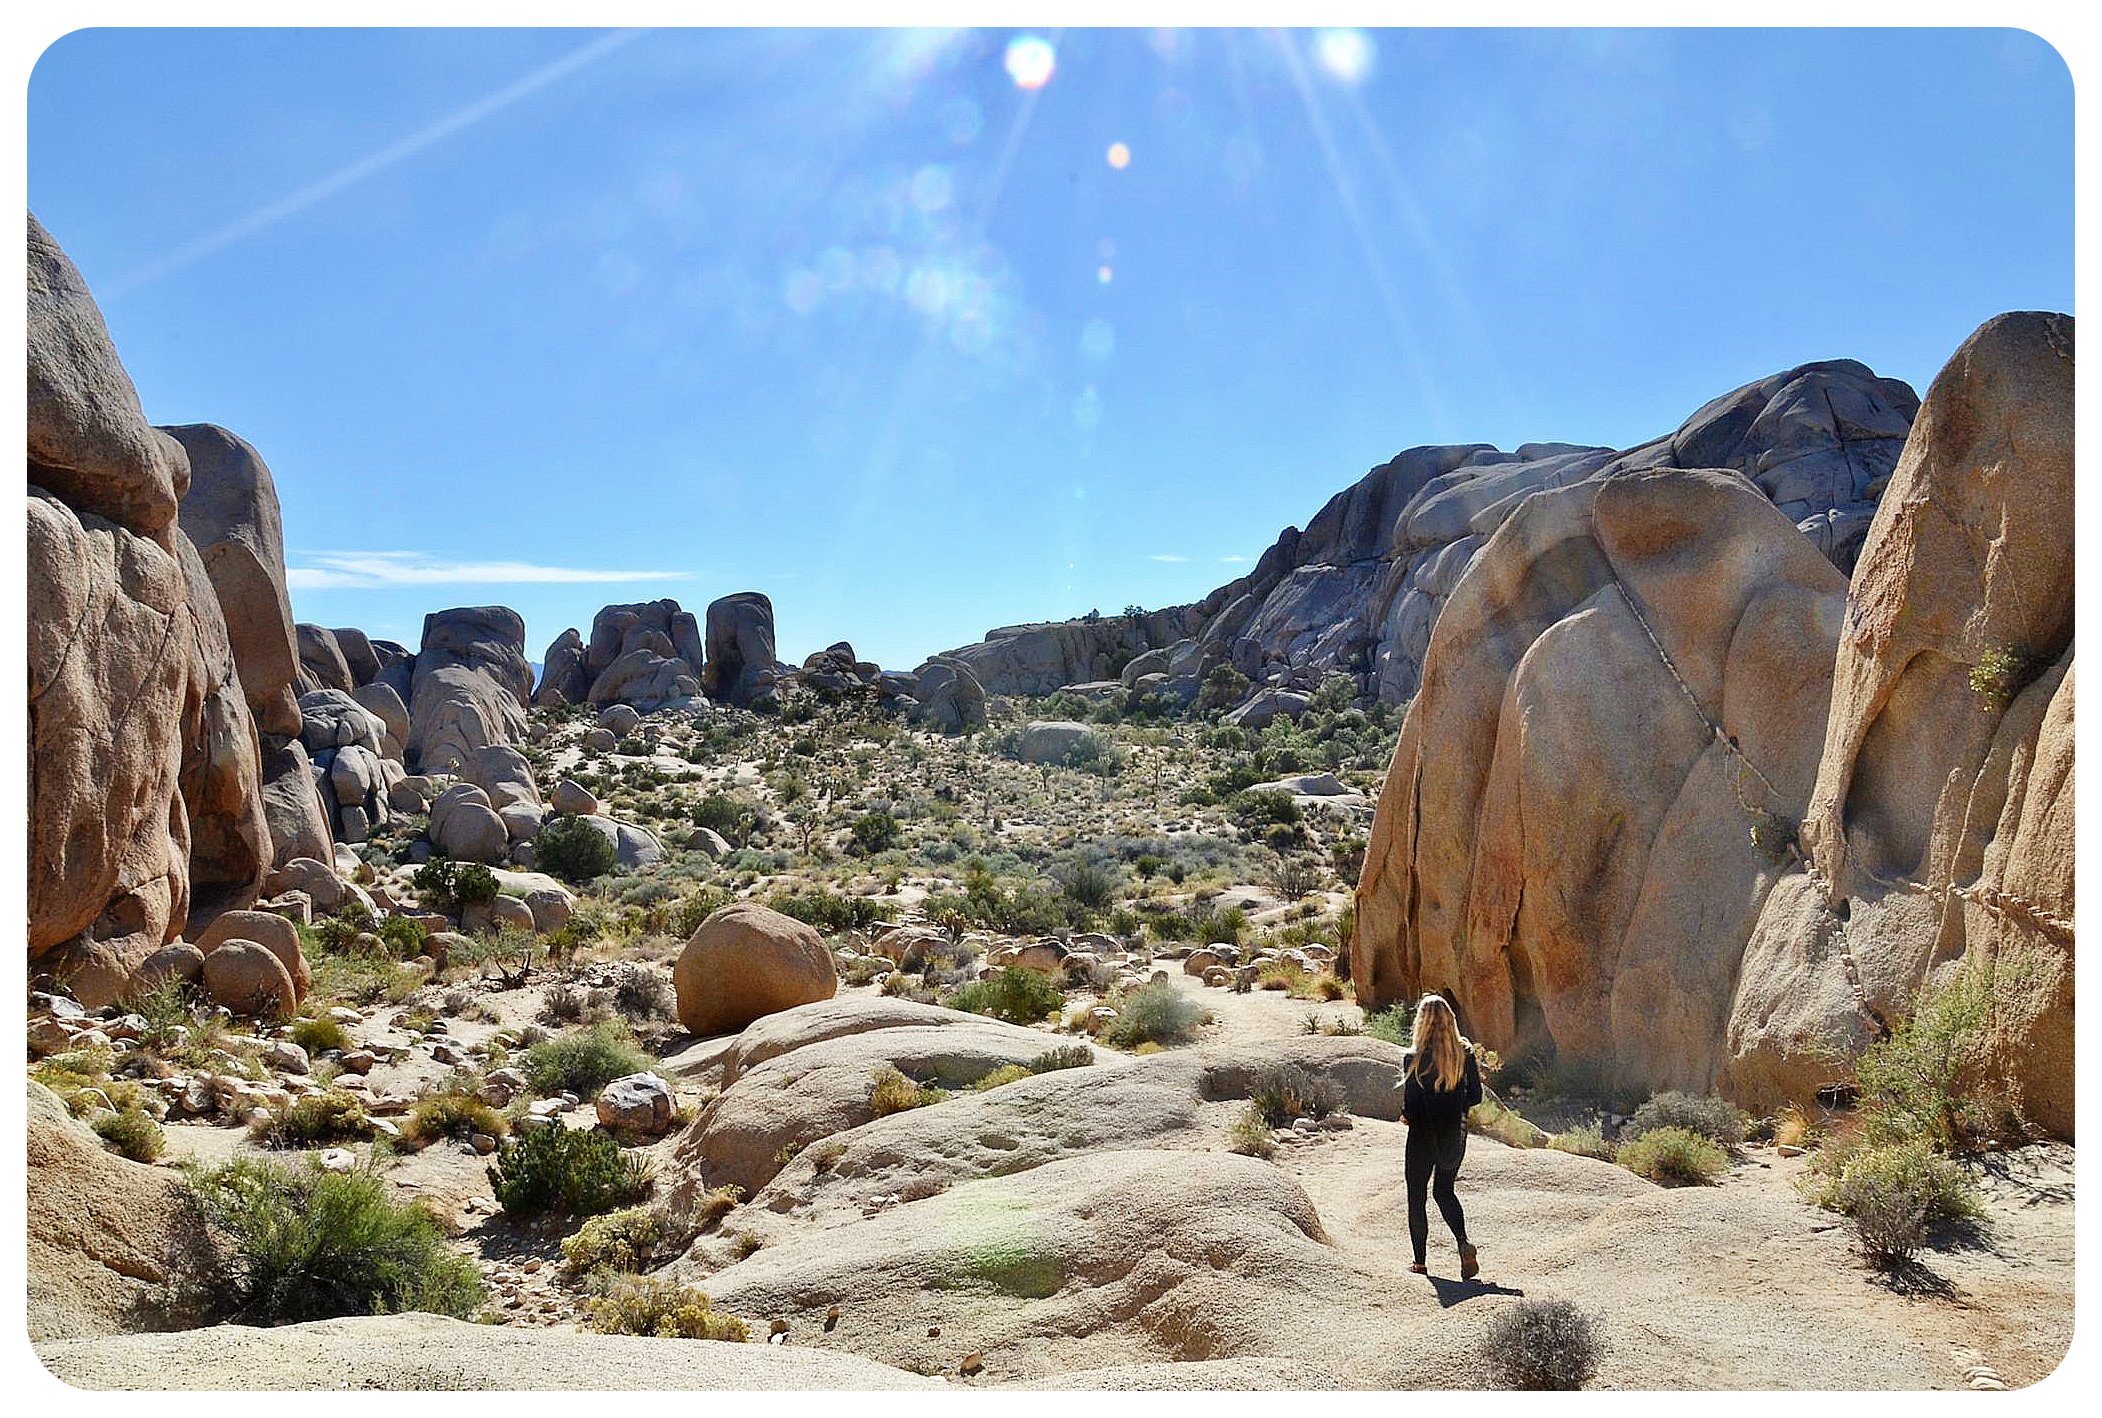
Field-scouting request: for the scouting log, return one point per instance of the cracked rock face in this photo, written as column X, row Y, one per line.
column 1563, row 841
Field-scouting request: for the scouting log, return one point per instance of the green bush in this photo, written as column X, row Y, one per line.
column 1393, row 1024
column 404, row 935
column 333, row 1115
column 1283, row 1092
column 566, row 1171
column 475, row 885
column 1542, row 1344
column 585, row 1061
column 310, row 1245
column 875, row 832
column 574, row 850
column 892, row 1092
column 133, row 1132
column 1893, row 1194
column 1944, row 1075
column 833, row 914
column 1153, row 1014
column 662, row 1309
column 318, row 1034
column 1673, row 1155
column 623, row 1242
column 1016, row 995
column 732, row 820
column 1720, row 1122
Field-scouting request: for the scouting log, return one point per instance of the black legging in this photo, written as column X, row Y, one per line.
column 1420, row 1164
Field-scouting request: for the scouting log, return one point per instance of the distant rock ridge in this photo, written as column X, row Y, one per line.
column 1359, row 589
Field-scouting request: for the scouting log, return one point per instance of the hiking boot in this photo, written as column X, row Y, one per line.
column 1470, row 1266
column 1417, row 1267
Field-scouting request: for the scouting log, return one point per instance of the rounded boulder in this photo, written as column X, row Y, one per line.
column 269, row 930
column 746, row 961
column 249, row 979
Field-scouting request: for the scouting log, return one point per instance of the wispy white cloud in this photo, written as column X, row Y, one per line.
column 1233, row 560
column 354, row 173
column 379, row 570
column 1167, row 556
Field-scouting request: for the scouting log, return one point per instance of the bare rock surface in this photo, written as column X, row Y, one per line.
column 417, row 1351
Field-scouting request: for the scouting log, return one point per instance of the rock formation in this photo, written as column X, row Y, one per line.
column 1358, row 591
column 740, row 667
column 1941, row 820
column 467, row 686
column 746, row 961
column 1617, row 729
column 143, row 757
column 1644, row 682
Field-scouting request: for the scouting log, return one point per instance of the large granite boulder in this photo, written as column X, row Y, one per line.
column 740, row 668
column 321, row 661
column 230, row 514
column 1599, row 780
column 468, row 686
column 949, row 697
column 563, row 679
column 746, row 961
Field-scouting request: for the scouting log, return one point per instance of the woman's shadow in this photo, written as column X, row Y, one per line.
column 1453, row 1292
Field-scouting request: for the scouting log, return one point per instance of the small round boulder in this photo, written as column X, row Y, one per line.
column 269, row 930
column 746, row 961
column 248, row 979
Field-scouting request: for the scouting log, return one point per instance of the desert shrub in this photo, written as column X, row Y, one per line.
column 333, row 1115
column 1064, row 1056
column 1283, row 1092
column 565, row 1171
column 1492, row 1118
column 1894, row 1193
column 309, row 1245
column 1000, row 1077
column 1945, row 1073
column 448, row 884
column 404, row 935
column 318, row 1034
column 585, row 1061
column 686, row 917
column 874, row 832
column 733, row 820
column 456, row 1114
column 892, row 1092
column 1673, row 1156
column 662, row 1309
column 1015, row 995
column 1792, row 1127
column 2000, row 673
column 1542, row 1344
column 1720, row 1122
column 716, row 1203
column 641, row 993
column 569, row 1003
column 1249, row 1134
column 1584, row 1141
column 1089, row 886
column 133, row 1132
column 625, row 1242
column 574, row 849
column 1153, row 1014
column 1393, row 1024
column 833, row 914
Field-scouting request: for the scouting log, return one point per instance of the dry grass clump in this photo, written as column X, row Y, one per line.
column 455, row 1113
column 1282, row 1093
column 1585, row 1140
column 623, row 1242
column 892, row 1092
column 334, row 1115
column 1721, row 1123
column 132, row 1132
column 1001, row 1076
column 1250, row 1133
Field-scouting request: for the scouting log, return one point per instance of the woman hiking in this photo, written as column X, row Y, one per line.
column 1439, row 1083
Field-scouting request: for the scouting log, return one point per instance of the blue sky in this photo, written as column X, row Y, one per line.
column 923, row 333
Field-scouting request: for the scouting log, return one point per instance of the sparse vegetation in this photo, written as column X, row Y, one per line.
column 1250, row 1133
column 308, row 1244
column 574, row 850
column 334, row 1115
column 1283, row 1092
column 1015, row 995
column 1720, row 1122
column 565, row 1171
column 1158, row 1014
column 1894, row 1193
column 132, row 1132
column 1674, row 1156
column 663, row 1309
column 453, row 1113
column 583, row 1062
column 1542, row 1344
column 621, row 1242
column 892, row 1092
column 1064, row 1056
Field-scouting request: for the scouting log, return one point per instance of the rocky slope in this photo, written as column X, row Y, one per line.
column 1642, row 685
column 1359, row 590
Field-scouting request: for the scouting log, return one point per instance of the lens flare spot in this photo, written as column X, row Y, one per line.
column 1087, row 410
column 1104, row 275
column 1346, row 54
column 1030, row 61
column 1119, row 156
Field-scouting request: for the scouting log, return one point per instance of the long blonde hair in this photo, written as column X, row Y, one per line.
column 1440, row 1053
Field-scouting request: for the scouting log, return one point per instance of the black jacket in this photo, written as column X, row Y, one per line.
column 1437, row 1113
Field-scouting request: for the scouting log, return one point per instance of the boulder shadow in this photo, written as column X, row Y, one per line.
column 1456, row 1292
